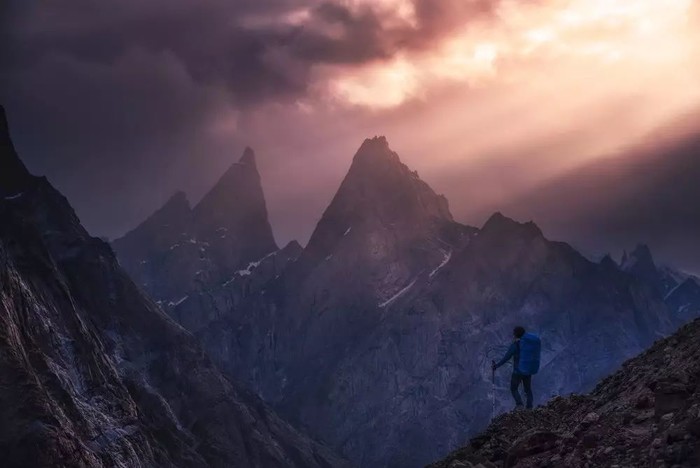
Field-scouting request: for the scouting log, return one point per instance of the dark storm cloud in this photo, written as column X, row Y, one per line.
column 204, row 37
column 216, row 45
column 115, row 100
column 360, row 37
column 364, row 36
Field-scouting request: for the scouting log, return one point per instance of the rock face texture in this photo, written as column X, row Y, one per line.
column 93, row 373
column 378, row 336
column 179, row 248
column 646, row 414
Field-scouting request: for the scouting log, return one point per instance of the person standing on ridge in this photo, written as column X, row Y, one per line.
column 525, row 351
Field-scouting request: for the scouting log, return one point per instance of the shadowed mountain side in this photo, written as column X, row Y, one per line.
column 92, row 373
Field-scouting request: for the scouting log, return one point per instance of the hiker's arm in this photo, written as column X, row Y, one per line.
column 509, row 354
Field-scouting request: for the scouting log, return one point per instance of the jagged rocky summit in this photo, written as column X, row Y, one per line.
column 377, row 336
column 93, row 374
column 646, row 414
column 179, row 251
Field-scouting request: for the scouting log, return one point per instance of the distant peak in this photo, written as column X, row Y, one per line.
column 639, row 259
column 500, row 223
column 642, row 251
column 608, row 262
column 379, row 141
column 375, row 150
column 179, row 198
column 293, row 249
column 294, row 244
column 248, row 157
column 498, row 220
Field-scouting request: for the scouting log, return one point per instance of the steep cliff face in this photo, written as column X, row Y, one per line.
column 92, row 373
column 646, row 414
column 180, row 251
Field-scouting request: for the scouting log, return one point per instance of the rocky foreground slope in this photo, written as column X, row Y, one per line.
column 93, row 373
column 645, row 415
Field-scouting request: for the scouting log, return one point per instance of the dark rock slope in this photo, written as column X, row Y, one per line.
column 645, row 415
column 92, row 373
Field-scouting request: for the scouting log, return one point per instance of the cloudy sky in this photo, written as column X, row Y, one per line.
column 498, row 104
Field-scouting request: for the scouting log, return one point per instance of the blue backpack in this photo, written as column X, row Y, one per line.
column 530, row 347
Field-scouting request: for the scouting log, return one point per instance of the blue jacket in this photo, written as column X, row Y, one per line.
column 513, row 352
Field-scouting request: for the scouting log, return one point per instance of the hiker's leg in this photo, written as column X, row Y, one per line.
column 514, row 384
column 527, row 385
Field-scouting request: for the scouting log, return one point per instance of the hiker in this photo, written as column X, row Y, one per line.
column 525, row 352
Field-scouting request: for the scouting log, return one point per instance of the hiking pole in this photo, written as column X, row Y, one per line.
column 493, row 390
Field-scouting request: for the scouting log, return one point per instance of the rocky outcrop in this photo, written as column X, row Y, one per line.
column 93, row 373
column 646, row 414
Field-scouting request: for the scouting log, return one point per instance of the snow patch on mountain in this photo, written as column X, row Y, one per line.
column 398, row 295
column 445, row 261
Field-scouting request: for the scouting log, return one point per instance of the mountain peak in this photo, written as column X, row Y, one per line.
column 640, row 260
column 248, row 157
column 380, row 184
column 608, row 262
column 14, row 176
column 235, row 209
column 379, row 194
column 375, row 150
column 498, row 223
column 642, row 251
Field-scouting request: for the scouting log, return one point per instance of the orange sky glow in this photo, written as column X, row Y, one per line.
column 537, row 87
